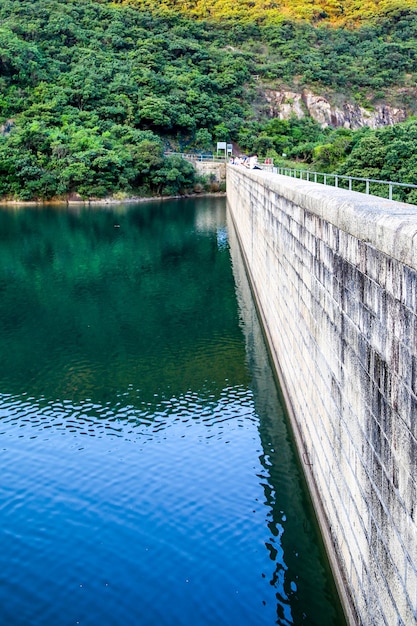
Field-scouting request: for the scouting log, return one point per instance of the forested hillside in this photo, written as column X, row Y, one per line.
column 335, row 12
column 93, row 93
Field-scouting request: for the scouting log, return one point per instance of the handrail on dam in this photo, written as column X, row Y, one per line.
column 369, row 186
column 335, row 179
column 190, row 156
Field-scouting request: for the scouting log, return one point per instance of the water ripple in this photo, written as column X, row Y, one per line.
column 121, row 419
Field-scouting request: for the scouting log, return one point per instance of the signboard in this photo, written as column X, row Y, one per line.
column 227, row 147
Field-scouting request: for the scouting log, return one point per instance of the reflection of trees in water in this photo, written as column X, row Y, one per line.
column 99, row 300
column 301, row 576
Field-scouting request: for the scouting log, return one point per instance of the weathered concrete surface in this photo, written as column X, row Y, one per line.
column 217, row 171
column 334, row 274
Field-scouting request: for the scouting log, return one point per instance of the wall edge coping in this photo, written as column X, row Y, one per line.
column 389, row 226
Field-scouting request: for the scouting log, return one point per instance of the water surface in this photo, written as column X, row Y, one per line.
column 148, row 474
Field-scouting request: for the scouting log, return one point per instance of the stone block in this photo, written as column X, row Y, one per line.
column 335, row 273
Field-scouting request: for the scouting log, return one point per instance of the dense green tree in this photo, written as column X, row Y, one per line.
column 386, row 154
column 93, row 92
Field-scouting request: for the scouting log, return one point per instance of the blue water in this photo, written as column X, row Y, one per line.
column 148, row 473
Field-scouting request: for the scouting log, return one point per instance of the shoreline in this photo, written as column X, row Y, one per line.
column 107, row 201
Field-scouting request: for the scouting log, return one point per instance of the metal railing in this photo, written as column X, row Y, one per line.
column 351, row 183
column 190, row 156
column 367, row 185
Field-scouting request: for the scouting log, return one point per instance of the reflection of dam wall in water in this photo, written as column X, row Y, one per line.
column 294, row 544
column 334, row 276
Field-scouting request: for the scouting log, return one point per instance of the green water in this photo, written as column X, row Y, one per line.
column 148, row 473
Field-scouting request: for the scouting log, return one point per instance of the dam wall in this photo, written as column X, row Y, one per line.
column 334, row 275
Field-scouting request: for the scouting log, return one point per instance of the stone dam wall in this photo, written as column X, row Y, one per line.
column 334, row 275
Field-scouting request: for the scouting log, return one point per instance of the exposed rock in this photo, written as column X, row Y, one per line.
column 6, row 127
column 74, row 197
column 283, row 104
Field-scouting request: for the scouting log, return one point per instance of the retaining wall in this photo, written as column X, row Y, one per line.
column 334, row 274
column 211, row 168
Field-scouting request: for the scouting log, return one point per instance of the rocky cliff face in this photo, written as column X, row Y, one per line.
column 6, row 127
column 283, row 104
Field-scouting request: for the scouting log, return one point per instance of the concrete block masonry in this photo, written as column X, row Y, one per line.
column 210, row 168
column 334, row 274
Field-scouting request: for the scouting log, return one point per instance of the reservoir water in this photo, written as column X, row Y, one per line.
column 148, row 474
